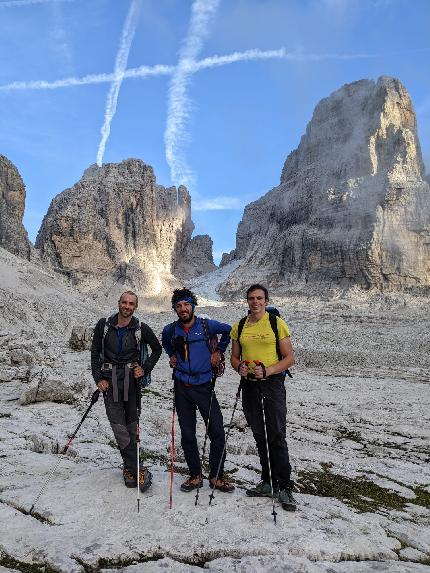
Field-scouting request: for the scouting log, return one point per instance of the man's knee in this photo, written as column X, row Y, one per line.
column 121, row 434
column 217, row 435
column 188, row 435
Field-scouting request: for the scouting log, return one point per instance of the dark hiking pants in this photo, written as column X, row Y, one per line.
column 187, row 400
column 275, row 408
column 122, row 416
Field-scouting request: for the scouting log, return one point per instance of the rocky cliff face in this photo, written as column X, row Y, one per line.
column 13, row 236
column 352, row 207
column 116, row 226
column 196, row 259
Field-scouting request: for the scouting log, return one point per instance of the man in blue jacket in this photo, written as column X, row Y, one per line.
column 187, row 345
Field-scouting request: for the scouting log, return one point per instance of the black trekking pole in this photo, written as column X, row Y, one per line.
column 268, row 454
column 206, row 435
column 94, row 399
column 138, row 411
column 226, row 438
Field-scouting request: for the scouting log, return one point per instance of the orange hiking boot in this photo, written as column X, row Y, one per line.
column 193, row 482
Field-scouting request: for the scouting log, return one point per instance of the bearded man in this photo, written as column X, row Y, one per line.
column 190, row 355
column 117, row 364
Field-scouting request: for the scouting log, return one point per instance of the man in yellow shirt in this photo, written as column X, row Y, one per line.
column 262, row 361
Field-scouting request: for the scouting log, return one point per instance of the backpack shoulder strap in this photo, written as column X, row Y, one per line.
column 240, row 327
column 239, row 332
column 138, row 332
column 274, row 326
column 143, row 352
column 206, row 332
column 171, row 331
column 105, row 329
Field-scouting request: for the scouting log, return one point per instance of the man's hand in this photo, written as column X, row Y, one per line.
column 172, row 361
column 138, row 371
column 103, row 385
column 215, row 358
column 259, row 370
column 243, row 368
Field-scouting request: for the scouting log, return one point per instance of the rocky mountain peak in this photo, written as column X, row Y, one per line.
column 13, row 236
column 352, row 206
column 117, row 226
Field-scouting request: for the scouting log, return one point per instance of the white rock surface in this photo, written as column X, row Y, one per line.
column 358, row 432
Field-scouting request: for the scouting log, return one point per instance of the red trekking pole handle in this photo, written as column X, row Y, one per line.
column 259, row 363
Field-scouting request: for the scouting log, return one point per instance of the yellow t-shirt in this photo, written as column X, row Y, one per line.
column 258, row 341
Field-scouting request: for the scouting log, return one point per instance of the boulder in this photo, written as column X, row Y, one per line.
column 81, row 338
column 52, row 385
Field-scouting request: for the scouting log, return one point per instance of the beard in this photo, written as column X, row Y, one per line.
column 186, row 319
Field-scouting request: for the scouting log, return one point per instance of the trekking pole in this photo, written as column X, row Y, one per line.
column 206, row 434
column 94, row 399
column 226, row 438
column 138, row 411
column 267, row 450
column 172, row 451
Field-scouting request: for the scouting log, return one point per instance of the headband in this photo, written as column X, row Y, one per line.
column 185, row 299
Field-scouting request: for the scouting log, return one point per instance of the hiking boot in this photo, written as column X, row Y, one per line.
column 262, row 489
column 145, row 480
column 221, row 485
column 287, row 500
column 129, row 478
column 193, row 482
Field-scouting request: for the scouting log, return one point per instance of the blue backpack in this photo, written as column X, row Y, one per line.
column 211, row 341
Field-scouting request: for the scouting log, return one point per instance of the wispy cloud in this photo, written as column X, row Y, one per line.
column 221, row 203
column 18, row 3
column 59, row 36
column 178, row 109
column 120, row 67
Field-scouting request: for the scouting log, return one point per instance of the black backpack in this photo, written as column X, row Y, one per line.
column 143, row 355
column 273, row 313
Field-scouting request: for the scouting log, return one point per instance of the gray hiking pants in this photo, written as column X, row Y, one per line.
column 122, row 416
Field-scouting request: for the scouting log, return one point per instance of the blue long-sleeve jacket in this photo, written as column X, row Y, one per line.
column 193, row 365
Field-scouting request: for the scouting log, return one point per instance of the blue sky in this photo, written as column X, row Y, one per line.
column 229, row 88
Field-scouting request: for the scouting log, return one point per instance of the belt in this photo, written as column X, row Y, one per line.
column 128, row 367
column 187, row 385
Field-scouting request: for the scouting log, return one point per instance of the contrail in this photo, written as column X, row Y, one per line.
column 16, row 3
column 120, row 67
column 140, row 72
column 165, row 70
column 281, row 54
column 178, row 109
